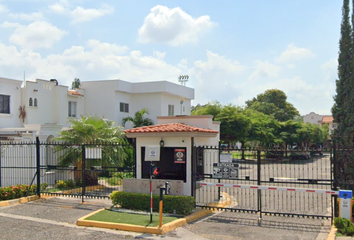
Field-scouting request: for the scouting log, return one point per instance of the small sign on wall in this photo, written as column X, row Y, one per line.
column 152, row 153
column 180, row 155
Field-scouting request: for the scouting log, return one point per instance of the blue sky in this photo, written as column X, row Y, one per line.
column 231, row 50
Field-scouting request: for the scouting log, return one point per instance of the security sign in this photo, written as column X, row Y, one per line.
column 152, row 154
column 180, row 155
column 225, row 170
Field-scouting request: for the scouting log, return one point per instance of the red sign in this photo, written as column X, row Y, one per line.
column 180, row 156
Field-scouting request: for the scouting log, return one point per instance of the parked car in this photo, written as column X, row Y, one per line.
column 316, row 149
column 300, row 155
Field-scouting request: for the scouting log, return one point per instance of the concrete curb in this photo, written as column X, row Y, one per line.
column 23, row 200
column 18, row 201
column 332, row 233
column 154, row 230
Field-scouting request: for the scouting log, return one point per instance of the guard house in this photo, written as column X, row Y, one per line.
column 175, row 137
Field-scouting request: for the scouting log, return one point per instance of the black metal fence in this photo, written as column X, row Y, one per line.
column 88, row 170
column 295, row 170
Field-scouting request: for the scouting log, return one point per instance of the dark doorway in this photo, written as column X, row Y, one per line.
column 168, row 166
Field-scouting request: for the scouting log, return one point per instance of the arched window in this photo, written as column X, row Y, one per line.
column 30, row 102
column 35, row 102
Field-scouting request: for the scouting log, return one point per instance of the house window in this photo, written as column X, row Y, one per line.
column 35, row 102
column 4, row 104
column 72, row 109
column 30, row 102
column 124, row 107
column 171, row 110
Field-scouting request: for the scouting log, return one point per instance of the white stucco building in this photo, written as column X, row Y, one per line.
column 43, row 107
column 178, row 133
column 320, row 120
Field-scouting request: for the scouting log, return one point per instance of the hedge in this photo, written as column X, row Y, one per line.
column 182, row 205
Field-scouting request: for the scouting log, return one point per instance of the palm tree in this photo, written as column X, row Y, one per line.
column 93, row 132
column 139, row 120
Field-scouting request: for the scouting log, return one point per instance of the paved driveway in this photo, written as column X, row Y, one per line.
column 55, row 218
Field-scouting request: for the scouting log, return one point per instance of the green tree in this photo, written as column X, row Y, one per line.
column 90, row 130
column 234, row 125
column 139, row 120
column 263, row 128
column 212, row 108
column 273, row 102
column 343, row 100
column 76, row 83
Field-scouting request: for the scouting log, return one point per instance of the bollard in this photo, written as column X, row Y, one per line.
column 345, row 204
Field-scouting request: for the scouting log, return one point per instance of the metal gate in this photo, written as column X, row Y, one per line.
column 268, row 181
column 77, row 170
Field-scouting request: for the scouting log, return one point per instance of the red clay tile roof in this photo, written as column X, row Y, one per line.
column 73, row 92
column 327, row 119
column 170, row 127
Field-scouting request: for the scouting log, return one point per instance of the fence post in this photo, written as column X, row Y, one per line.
column 0, row 163
column 83, row 168
column 38, row 165
column 259, row 193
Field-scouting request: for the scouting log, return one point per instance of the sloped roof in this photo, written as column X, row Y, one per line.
column 327, row 119
column 73, row 92
column 170, row 128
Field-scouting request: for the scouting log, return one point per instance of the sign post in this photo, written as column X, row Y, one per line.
column 152, row 154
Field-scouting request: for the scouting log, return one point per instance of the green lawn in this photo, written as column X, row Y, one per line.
column 129, row 218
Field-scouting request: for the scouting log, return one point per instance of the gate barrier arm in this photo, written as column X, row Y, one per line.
column 268, row 188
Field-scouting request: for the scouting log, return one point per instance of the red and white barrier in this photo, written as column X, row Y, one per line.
column 269, row 188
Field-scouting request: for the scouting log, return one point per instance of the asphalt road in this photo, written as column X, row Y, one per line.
column 55, row 218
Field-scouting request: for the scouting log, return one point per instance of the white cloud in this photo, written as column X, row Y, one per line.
column 294, row 53
column 3, row 8
column 329, row 69
column 27, row 17
column 61, row 7
column 93, row 62
column 106, row 48
column 217, row 79
column 264, row 69
column 173, row 26
column 80, row 14
column 39, row 34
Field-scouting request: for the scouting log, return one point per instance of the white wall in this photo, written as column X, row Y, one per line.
column 102, row 98
column 13, row 89
column 312, row 118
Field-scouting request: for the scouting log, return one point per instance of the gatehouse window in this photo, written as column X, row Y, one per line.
column 30, row 102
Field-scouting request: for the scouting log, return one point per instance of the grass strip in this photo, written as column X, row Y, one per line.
column 129, row 218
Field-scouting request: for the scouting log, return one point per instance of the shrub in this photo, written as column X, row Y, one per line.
column 67, row 184
column 61, row 184
column 18, row 191
column 182, row 205
column 344, row 226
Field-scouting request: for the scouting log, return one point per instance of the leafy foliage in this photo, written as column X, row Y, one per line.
column 183, row 205
column 273, row 102
column 344, row 100
column 139, row 120
column 76, row 83
column 344, row 226
column 94, row 131
column 213, row 108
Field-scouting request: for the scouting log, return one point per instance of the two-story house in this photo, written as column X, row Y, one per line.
column 43, row 107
